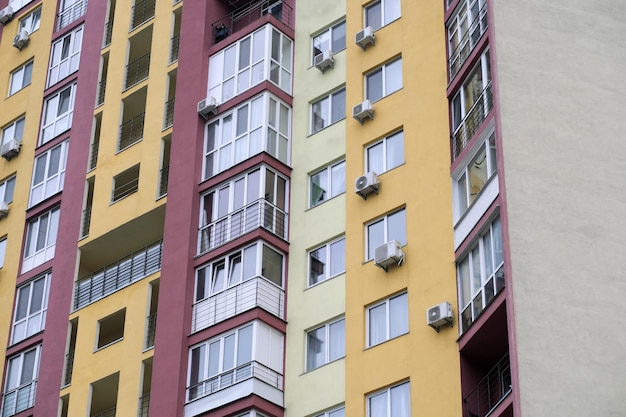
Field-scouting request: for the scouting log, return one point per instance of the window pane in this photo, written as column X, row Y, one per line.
column 244, row 53
column 321, row 43
column 497, row 241
column 392, row 10
column 338, row 179
column 401, row 401
column 214, row 359
column 37, row 298
column 244, row 345
column 378, row 405
column 377, row 324
column 317, row 265
column 398, row 316
column 477, row 173
column 374, row 85
column 249, row 262
column 28, row 366
column 339, row 37
column 375, row 161
column 337, row 257
column 338, row 106
column 373, row 16
column 397, row 226
column 337, row 342
column 23, row 296
column 228, row 361
column 375, row 237
column 272, row 266
column 393, row 76
column 242, row 120
column 316, row 340
column 319, row 182
column 319, row 117
column 395, row 150
column 464, row 281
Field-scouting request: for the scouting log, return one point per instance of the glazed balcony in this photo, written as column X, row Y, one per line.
column 247, row 14
column 19, row 399
column 492, row 390
column 468, row 42
column 472, row 121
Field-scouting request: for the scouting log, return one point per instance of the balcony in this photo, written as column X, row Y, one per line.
column 468, row 42
column 242, row 17
column 260, row 213
column 143, row 10
column 174, row 46
column 151, row 330
column 144, row 406
column 19, row 399
column 131, row 131
column 163, row 180
column 256, row 292
column 137, row 70
column 108, row 33
column 168, row 120
column 71, row 14
column 102, row 87
column 118, row 275
column 472, row 121
column 490, row 391
column 69, row 369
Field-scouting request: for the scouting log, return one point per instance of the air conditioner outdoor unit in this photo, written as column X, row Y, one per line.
column 363, row 111
column 10, row 148
column 21, row 39
column 6, row 15
column 439, row 315
column 388, row 254
column 4, row 209
column 207, row 106
column 365, row 37
column 367, row 184
column 324, row 61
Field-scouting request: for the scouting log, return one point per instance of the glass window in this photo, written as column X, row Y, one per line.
column 327, row 261
column 387, row 320
column 31, row 21
column 65, row 56
column 327, row 183
column 7, row 187
column 40, row 239
column 30, row 308
column 335, row 412
column 381, row 13
column 391, row 402
column 20, row 386
column 465, row 29
column 389, row 227
column 14, row 130
column 57, row 114
column 48, row 173
column 3, row 250
column 325, row 344
column 385, row 154
column 384, row 80
column 328, row 110
column 333, row 39
column 21, row 77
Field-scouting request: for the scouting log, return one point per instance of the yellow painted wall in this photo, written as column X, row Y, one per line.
column 310, row 392
column 428, row 359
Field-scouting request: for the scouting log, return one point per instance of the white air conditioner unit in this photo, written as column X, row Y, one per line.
column 365, row 37
column 388, row 254
column 10, row 148
column 324, row 61
column 439, row 315
column 207, row 106
column 363, row 111
column 366, row 184
column 4, row 209
column 21, row 39
column 6, row 15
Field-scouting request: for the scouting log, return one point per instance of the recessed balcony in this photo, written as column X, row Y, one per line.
column 490, row 392
column 71, row 14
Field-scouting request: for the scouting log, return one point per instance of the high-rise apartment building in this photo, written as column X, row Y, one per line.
column 296, row 208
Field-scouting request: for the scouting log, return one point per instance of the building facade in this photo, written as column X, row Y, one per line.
column 311, row 209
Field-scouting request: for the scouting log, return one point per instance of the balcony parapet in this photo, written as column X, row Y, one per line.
column 472, row 121
column 490, row 391
column 19, row 399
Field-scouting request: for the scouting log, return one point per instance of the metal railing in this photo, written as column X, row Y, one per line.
column 137, row 70
column 260, row 213
column 229, row 378
column 168, row 120
column 72, row 13
column 108, row 33
column 472, row 121
column 240, row 18
column 117, row 275
column 144, row 406
column 93, row 159
column 163, row 180
column 108, row 413
column 123, row 190
column 468, row 42
column 143, row 10
column 490, row 391
column 86, row 223
column 69, row 369
column 131, row 131
column 19, row 399
column 256, row 292
column 151, row 330
column 102, row 87
column 174, row 46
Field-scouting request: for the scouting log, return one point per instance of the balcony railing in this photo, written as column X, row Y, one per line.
column 93, row 160
column 229, row 378
column 256, row 292
column 144, row 406
column 108, row 33
column 102, row 87
column 143, row 10
column 168, row 120
column 468, row 42
column 151, row 330
column 137, row 70
column 124, row 189
column 69, row 369
column 86, row 223
column 72, row 13
column 163, row 180
column 118, row 275
column 240, row 18
column 131, row 131
column 107, row 413
column 472, row 121
column 174, row 46
column 260, row 213
column 490, row 391
column 19, row 399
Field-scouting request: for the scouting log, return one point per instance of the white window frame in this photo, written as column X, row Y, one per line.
column 40, row 245
column 389, row 82
column 65, row 56
column 3, row 250
column 390, row 11
column 54, row 123
column 334, row 186
column 388, row 161
column 49, row 182
column 319, row 40
column 14, row 130
column 387, row 305
column 7, row 188
column 34, row 318
column 21, row 77
column 334, row 412
column 461, row 29
column 327, row 344
column 388, row 395
column 323, row 110
column 467, row 98
column 30, row 21
column 387, row 233
column 262, row 124
column 19, row 386
column 330, row 270
column 480, row 274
